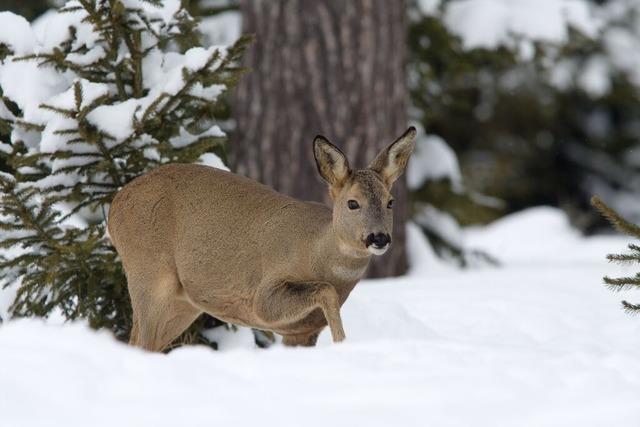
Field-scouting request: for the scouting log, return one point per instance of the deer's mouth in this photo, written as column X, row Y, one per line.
column 378, row 250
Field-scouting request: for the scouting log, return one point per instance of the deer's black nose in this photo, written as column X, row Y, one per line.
column 379, row 240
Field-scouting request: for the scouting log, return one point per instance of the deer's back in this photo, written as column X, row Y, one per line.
column 220, row 231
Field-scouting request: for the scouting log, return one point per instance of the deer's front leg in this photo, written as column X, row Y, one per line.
column 286, row 303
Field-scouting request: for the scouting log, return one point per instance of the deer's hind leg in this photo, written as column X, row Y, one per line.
column 161, row 310
column 290, row 303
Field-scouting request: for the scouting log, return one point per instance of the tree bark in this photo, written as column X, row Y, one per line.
column 334, row 68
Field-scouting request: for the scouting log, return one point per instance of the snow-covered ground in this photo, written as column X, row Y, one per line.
column 537, row 342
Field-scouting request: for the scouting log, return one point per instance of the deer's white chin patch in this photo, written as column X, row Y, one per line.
column 377, row 251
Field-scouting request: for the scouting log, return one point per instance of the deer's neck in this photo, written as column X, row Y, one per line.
column 341, row 263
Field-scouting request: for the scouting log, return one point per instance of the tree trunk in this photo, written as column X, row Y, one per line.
column 334, row 68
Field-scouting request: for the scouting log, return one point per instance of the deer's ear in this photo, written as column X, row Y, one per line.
column 392, row 161
column 331, row 162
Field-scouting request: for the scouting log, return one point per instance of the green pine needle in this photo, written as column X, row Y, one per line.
column 622, row 283
column 631, row 308
column 615, row 219
column 624, row 258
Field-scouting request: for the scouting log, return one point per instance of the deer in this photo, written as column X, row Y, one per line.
column 194, row 239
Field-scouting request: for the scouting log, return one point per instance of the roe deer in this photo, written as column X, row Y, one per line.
column 197, row 239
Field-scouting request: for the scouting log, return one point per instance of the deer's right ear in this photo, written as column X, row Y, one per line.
column 331, row 162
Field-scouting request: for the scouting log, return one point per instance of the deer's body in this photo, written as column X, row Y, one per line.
column 197, row 239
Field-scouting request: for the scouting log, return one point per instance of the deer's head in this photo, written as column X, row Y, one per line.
column 362, row 201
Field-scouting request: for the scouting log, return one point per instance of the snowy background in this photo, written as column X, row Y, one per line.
column 536, row 340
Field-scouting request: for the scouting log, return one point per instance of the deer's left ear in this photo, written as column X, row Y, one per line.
column 392, row 161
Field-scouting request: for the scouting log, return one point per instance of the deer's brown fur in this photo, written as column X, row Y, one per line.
column 196, row 239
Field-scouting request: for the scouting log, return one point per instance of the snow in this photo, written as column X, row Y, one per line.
column 432, row 159
column 619, row 44
column 518, row 23
column 152, row 68
column 7, row 296
column 210, row 159
column 16, row 33
column 184, row 138
column 166, row 77
column 619, row 39
column 52, row 141
column 194, row 59
column 222, row 28
column 207, row 92
column 117, row 119
column 52, row 29
column 7, row 176
column 29, row 85
column 92, row 56
column 166, row 12
column 539, row 341
column 429, row 7
column 488, row 23
column 40, row 25
column 441, row 223
column 595, row 77
column 561, row 74
column 66, row 100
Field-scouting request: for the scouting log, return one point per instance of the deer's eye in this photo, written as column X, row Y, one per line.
column 390, row 204
column 353, row 204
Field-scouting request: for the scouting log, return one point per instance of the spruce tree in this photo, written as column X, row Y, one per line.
column 633, row 257
column 122, row 87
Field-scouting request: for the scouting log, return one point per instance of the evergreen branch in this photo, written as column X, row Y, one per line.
column 148, row 26
column 67, row 131
column 113, row 169
column 13, row 108
column 113, row 39
column 616, row 220
column 68, row 154
column 622, row 283
column 58, row 59
column 137, row 56
column 70, row 9
column 630, row 308
column 92, row 14
column 64, row 111
column 101, row 100
column 29, row 126
column 622, row 258
column 133, row 44
column 18, row 203
column 152, row 108
column 77, row 95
